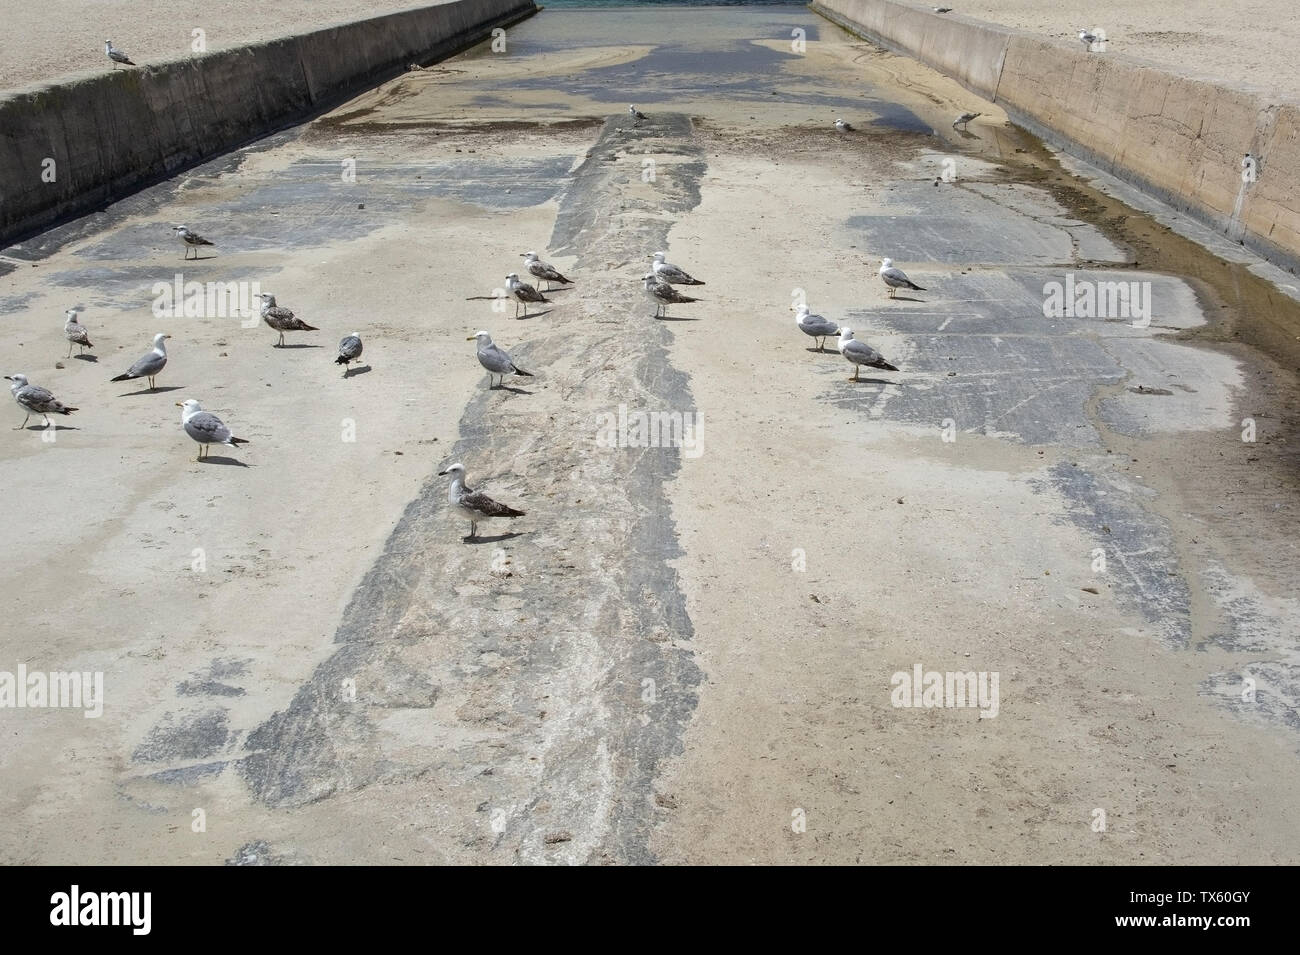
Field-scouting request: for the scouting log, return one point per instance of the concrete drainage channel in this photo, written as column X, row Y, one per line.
column 110, row 135
column 1179, row 139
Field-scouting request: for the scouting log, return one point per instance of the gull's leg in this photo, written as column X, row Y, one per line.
column 69, row 354
column 48, row 422
column 24, row 424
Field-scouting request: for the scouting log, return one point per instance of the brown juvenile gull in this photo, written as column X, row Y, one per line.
column 815, row 326
column 35, row 400
column 523, row 292
column 536, row 267
column 205, row 427
column 147, row 366
column 472, row 504
column 663, row 294
column 349, row 351
column 282, row 319
column 860, row 353
column 117, row 56
column 76, row 333
column 191, row 240
column 495, row 359
column 667, row 272
column 896, row 278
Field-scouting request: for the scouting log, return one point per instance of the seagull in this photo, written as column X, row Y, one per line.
column 815, row 326
column 117, row 56
column 663, row 294
column 896, row 278
column 495, row 359
column 842, row 126
column 76, row 333
column 148, row 366
column 667, row 272
column 523, row 292
column 963, row 119
column 191, row 240
column 860, row 353
column 473, row 504
column 282, row 319
column 205, row 427
column 1088, row 38
column 636, row 114
column 541, row 270
column 943, row 9
column 349, row 351
column 35, row 400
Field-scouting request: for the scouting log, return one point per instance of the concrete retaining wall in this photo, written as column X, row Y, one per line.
column 113, row 133
column 1178, row 138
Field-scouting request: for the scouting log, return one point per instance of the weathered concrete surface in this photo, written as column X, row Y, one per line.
column 1180, row 138
column 673, row 651
column 115, row 132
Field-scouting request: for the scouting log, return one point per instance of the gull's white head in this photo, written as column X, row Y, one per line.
column 108, row 45
column 483, row 338
column 189, row 408
column 886, row 263
column 846, row 333
column 159, row 339
column 71, row 314
column 631, row 109
column 180, row 229
column 19, row 381
column 512, row 277
column 530, row 256
column 456, row 471
column 648, row 278
column 659, row 256
column 800, row 311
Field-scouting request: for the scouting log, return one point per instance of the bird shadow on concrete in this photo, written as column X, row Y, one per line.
column 41, row 427
column 821, row 351
column 675, row 318
column 90, row 358
column 152, row 391
column 964, row 133
column 520, row 318
column 359, row 370
column 512, row 390
column 872, row 381
column 232, row 462
column 298, row 345
column 495, row 539
column 905, row 298
column 558, row 288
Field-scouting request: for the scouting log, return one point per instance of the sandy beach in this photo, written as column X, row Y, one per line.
column 674, row 656
column 58, row 38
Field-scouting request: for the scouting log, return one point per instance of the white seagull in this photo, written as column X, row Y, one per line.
column 815, row 326
column 117, row 56
column 860, row 353
column 495, row 359
column 349, row 351
column 472, row 504
column 1088, row 38
column 896, row 278
column 75, row 332
column 636, row 114
column 282, row 319
column 205, row 427
column 963, row 119
column 523, row 292
column 842, row 126
column 34, row 399
column 663, row 294
column 191, row 240
column 148, row 365
column 667, row 272
column 539, row 269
